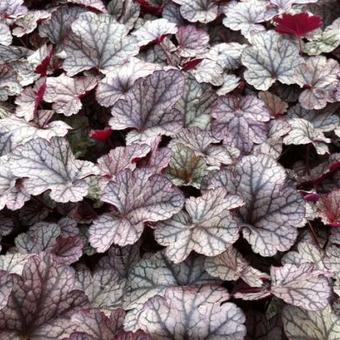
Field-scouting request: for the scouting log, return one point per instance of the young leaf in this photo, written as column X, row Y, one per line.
column 185, row 167
column 12, row 194
column 297, row 24
column 205, row 145
column 303, row 132
column 329, row 208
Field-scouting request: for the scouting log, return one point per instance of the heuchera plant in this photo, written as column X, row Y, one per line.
column 169, row 169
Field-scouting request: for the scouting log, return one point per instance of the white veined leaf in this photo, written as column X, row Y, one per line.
column 195, row 311
column 302, row 286
column 230, row 83
column 271, row 57
column 5, row 35
column 16, row 131
column 120, row 80
column 12, row 9
column 324, row 42
column 103, row 286
column 203, row 11
column 154, row 30
column 126, row 12
column 206, row 226
column 312, row 325
column 286, row 5
column 29, row 22
column 324, row 120
column 303, row 132
column 65, row 92
column 196, row 103
column 206, row 145
column 95, row 4
column 209, row 71
column 121, row 158
column 228, row 55
column 12, row 193
column 273, row 209
column 52, row 166
column 153, row 275
column 319, row 76
column 247, row 16
column 97, row 40
column 231, row 266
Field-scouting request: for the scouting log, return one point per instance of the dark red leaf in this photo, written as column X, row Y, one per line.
column 40, row 95
column 42, row 68
column 311, row 197
column 191, row 64
column 101, row 135
column 297, row 24
column 149, row 8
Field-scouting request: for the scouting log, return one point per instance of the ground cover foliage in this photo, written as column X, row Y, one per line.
column 169, row 169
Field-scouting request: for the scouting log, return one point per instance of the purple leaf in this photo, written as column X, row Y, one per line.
column 42, row 301
column 138, row 197
column 241, row 121
column 148, row 107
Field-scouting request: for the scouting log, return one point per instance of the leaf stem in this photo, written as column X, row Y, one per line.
column 313, row 233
